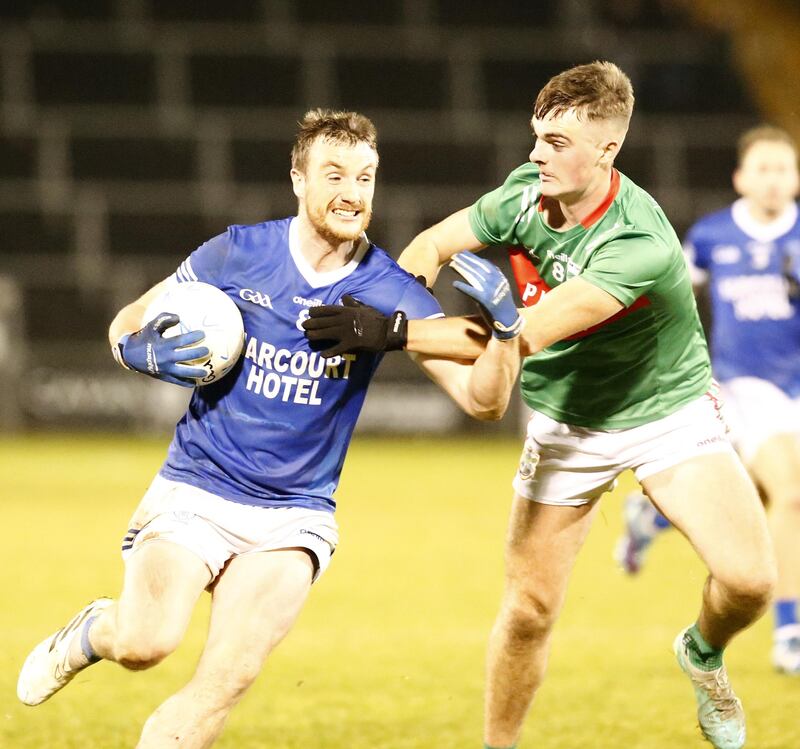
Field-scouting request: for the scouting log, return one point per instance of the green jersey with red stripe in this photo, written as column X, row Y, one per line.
column 639, row 365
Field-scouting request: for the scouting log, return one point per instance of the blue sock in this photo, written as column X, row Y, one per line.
column 661, row 523
column 785, row 612
column 86, row 646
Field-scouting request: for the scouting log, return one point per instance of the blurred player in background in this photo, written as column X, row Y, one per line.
column 749, row 256
column 618, row 377
column 243, row 504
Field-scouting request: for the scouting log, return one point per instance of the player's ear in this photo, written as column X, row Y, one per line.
column 614, row 132
column 610, row 149
column 298, row 183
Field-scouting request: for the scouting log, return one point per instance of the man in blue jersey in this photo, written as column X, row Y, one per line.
column 243, row 504
column 748, row 255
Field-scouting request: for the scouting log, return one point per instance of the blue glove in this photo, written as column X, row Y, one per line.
column 490, row 289
column 148, row 352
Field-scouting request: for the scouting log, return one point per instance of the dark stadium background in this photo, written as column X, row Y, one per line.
column 132, row 130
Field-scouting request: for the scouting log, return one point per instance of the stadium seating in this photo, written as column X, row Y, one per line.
column 231, row 11
column 23, row 10
column 156, row 235
column 66, row 77
column 251, row 80
column 129, row 133
column 133, row 158
column 79, row 319
column 501, row 13
column 17, row 157
column 387, row 12
column 28, row 234
column 392, row 82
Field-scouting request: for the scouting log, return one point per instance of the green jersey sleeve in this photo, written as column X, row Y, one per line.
column 495, row 215
column 628, row 267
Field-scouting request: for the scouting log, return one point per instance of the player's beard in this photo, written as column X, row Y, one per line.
column 336, row 233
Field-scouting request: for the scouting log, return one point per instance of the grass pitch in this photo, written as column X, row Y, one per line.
column 389, row 651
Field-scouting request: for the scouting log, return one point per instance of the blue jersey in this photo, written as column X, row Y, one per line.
column 274, row 431
column 756, row 323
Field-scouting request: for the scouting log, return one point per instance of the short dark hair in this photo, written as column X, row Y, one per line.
column 761, row 133
column 349, row 128
column 599, row 90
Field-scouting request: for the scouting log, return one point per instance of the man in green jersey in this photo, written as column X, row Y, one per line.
column 618, row 376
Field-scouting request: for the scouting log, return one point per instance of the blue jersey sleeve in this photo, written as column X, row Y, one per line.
column 696, row 248
column 417, row 302
column 696, row 251
column 206, row 262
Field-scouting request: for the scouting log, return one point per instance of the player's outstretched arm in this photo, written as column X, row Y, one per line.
column 139, row 344
column 570, row 308
column 434, row 247
column 349, row 327
column 483, row 387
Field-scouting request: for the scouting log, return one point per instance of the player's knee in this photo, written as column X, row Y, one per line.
column 755, row 594
column 138, row 650
column 140, row 656
column 529, row 615
column 753, row 589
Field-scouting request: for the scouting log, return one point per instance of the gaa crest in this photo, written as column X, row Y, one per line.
column 529, row 460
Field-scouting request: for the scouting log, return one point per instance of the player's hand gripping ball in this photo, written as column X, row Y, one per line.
column 202, row 307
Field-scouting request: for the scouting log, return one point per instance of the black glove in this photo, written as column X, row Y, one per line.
column 355, row 327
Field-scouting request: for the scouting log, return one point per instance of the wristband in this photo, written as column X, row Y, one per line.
column 503, row 333
column 397, row 331
column 116, row 350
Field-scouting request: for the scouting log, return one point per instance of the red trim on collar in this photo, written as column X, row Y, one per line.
column 598, row 212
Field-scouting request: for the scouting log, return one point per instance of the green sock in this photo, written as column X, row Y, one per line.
column 486, row 746
column 701, row 654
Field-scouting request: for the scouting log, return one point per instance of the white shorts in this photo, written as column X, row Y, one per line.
column 756, row 410
column 569, row 465
column 217, row 529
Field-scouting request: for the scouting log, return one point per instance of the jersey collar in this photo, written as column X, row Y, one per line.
column 600, row 211
column 315, row 278
column 763, row 232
